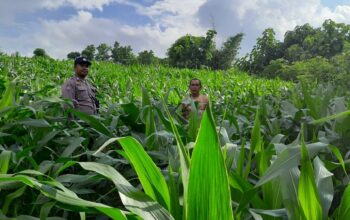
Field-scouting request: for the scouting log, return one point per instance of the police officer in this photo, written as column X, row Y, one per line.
column 79, row 90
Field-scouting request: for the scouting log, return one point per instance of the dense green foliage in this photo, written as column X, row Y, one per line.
column 306, row 53
column 187, row 52
column 89, row 52
column 192, row 52
column 39, row 52
column 271, row 145
column 199, row 52
column 73, row 55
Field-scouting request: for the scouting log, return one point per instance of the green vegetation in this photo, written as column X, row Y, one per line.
column 306, row 53
column 189, row 51
column 264, row 148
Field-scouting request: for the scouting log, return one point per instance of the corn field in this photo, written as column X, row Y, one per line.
column 264, row 149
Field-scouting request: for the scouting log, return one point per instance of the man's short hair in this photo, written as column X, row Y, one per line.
column 200, row 82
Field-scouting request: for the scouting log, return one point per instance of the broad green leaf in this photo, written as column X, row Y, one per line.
column 246, row 198
column 288, row 109
column 45, row 210
column 307, row 190
column 39, row 123
column 5, row 157
column 273, row 212
column 4, row 134
column 10, row 197
column 324, row 185
column 183, row 154
column 65, row 197
column 92, row 121
column 331, row 117
column 175, row 210
column 289, row 189
column 193, row 122
column 256, row 136
column 132, row 117
column 344, row 207
column 255, row 143
column 230, row 154
column 166, row 97
column 132, row 198
column 148, row 118
column 74, row 143
column 271, row 190
column 245, row 192
column 148, row 173
column 8, row 98
column 150, row 128
column 240, row 162
column 74, row 178
column 287, row 159
column 48, row 138
column 337, row 153
column 208, row 186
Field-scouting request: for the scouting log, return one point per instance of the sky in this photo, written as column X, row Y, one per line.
column 63, row 26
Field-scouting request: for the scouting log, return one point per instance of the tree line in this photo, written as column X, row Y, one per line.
column 305, row 53
column 187, row 52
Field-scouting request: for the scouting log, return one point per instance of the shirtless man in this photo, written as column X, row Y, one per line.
column 202, row 100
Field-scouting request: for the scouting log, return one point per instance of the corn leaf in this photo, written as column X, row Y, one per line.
column 184, row 158
column 5, row 157
column 92, row 121
column 8, row 98
column 324, row 185
column 149, row 174
column 307, row 190
column 65, row 197
column 133, row 199
column 344, row 207
column 287, row 159
column 208, row 186
column 148, row 117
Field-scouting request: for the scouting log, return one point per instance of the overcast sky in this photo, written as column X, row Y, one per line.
column 62, row 26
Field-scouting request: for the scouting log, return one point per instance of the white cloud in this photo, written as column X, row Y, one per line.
column 342, row 13
column 60, row 37
column 169, row 19
column 9, row 10
column 253, row 16
column 78, row 4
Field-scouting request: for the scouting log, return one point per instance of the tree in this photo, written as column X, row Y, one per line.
column 333, row 38
column 294, row 53
column 298, row 35
column 89, row 52
column 39, row 52
column 192, row 52
column 305, row 53
column 266, row 50
column 103, row 52
column 147, row 58
column 317, row 68
column 122, row 55
column 326, row 41
column 73, row 55
column 276, row 68
column 223, row 59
